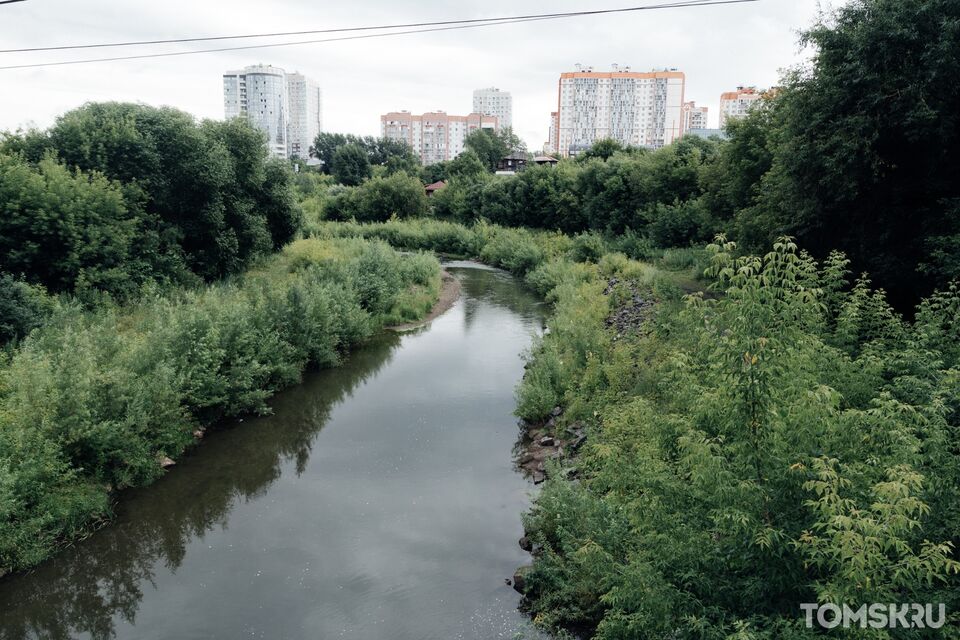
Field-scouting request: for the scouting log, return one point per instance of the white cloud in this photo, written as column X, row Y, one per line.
column 718, row 48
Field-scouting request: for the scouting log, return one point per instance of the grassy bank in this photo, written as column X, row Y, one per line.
column 93, row 401
column 790, row 441
column 537, row 256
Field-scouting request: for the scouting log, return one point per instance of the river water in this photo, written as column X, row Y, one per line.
column 380, row 501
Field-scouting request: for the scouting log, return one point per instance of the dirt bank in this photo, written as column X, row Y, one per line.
column 449, row 294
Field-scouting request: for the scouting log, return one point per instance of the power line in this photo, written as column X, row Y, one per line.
column 457, row 25
column 408, row 25
column 10, row 1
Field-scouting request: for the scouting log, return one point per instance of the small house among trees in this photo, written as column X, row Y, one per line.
column 433, row 188
column 513, row 163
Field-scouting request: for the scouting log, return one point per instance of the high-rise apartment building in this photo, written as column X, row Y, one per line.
column 737, row 104
column 636, row 109
column 694, row 117
column 434, row 137
column 305, row 114
column 285, row 107
column 548, row 146
column 494, row 102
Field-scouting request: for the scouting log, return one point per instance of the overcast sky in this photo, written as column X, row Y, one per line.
column 718, row 47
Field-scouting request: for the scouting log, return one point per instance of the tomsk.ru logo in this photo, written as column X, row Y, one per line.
column 874, row 616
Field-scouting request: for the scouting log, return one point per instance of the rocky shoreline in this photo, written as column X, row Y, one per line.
column 544, row 441
column 541, row 442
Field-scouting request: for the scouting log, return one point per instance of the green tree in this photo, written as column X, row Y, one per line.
column 393, row 155
column 23, row 307
column 867, row 153
column 380, row 199
column 62, row 229
column 326, row 144
column 350, row 165
column 492, row 146
column 195, row 189
column 603, row 149
column 467, row 165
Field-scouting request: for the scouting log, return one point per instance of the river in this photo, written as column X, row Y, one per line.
column 379, row 501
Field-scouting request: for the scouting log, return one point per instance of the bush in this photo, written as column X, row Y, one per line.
column 379, row 200
column 22, row 308
column 587, row 247
column 750, row 440
column 91, row 401
column 513, row 250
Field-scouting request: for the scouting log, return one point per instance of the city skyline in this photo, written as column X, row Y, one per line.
column 364, row 79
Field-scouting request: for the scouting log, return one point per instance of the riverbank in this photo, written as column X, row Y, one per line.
column 450, row 290
column 98, row 401
column 373, row 489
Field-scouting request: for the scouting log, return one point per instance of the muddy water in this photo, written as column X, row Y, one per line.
column 379, row 501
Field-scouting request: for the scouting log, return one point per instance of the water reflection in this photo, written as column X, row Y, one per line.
column 86, row 587
column 398, row 521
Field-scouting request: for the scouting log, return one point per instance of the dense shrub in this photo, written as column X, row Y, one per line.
column 785, row 442
column 63, row 230
column 22, row 308
column 379, row 199
column 184, row 199
column 92, row 401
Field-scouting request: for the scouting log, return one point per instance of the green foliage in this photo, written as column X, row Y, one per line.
column 350, row 165
column 786, row 441
column 656, row 193
column 466, row 166
column 866, row 147
column 392, row 155
column 493, row 146
column 91, row 401
column 602, row 149
column 22, row 308
column 379, row 199
column 157, row 197
column 63, row 230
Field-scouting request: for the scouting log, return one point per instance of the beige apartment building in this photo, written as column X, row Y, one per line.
column 436, row 136
column 737, row 104
column 694, row 117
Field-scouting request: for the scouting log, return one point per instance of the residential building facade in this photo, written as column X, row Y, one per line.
column 435, row 136
column 306, row 114
column 550, row 145
column 636, row 109
column 737, row 104
column 494, row 102
column 694, row 117
column 285, row 107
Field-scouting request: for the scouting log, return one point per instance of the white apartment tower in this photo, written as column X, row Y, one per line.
column 636, row 109
column 285, row 107
column 494, row 102
column 737, row 104
column 305, row 114
column 694, row 117
column 434, row 137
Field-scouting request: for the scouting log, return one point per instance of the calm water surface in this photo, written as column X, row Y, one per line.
column 378, row 502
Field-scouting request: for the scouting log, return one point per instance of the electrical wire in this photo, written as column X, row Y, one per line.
column 408, row 25
column 457, row 25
